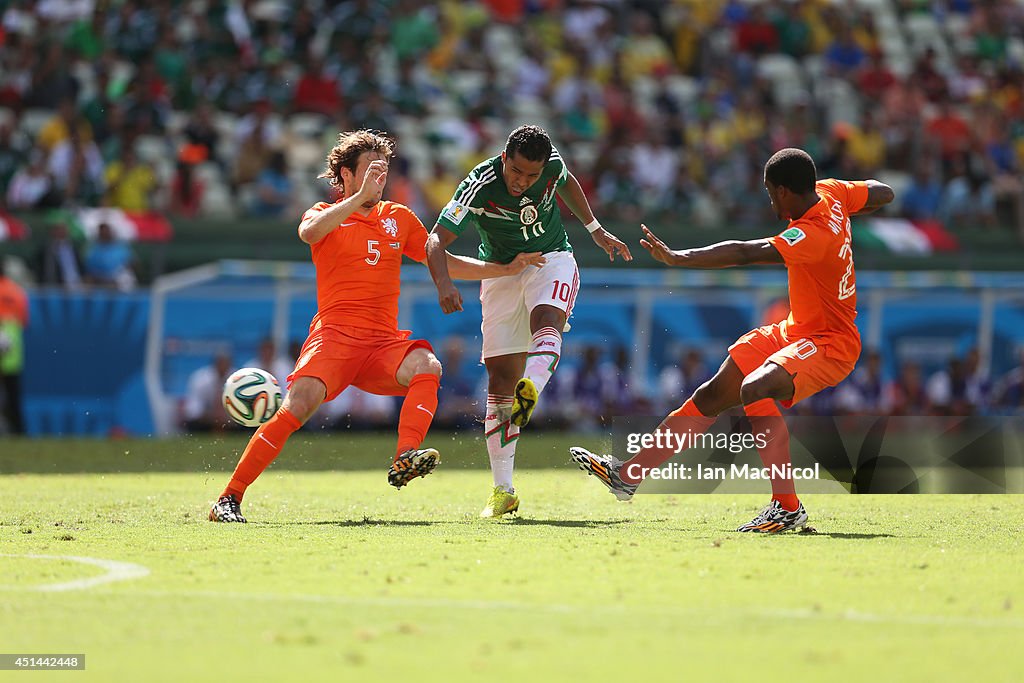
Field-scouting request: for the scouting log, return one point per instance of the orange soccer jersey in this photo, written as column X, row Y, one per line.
column 819, row 258
column 358, row 267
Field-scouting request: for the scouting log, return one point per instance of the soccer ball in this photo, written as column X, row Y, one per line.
column 251, row 396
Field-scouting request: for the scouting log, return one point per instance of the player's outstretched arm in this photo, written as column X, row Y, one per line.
column 573, row 196
column 323, row 223
column 721, row 255
column 879, row 194
column 437, row 261
column 466, row 268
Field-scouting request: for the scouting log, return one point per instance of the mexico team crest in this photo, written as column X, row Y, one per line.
column 390, row 226
column 528, row 214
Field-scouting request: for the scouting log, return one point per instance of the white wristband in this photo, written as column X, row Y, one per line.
column 592, row 225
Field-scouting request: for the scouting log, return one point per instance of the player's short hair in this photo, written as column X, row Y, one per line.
column 529, row 142
column 793, row 169
column 351, row 145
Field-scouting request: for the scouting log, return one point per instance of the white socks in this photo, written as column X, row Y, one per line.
column 501, row 436
column 542, row 358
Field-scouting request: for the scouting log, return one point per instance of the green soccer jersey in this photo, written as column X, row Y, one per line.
column 509, row 225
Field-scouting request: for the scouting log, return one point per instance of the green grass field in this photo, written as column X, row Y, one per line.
column 339, row 577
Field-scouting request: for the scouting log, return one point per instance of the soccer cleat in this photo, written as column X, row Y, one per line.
column 227, row 509
column 415, row 462
column 500, row 503
column 774, row 518
column 523, row 401
column 606, row 468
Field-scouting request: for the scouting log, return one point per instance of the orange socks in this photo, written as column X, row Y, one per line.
column 417, row 411
column 263, row 447
column 766, row 419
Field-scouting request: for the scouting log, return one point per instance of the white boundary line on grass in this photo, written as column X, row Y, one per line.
column 116, row 571
column 556, row 608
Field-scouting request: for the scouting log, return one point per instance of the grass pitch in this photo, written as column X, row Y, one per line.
column 339, row 577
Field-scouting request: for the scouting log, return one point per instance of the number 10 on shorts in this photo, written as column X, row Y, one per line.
column 561, row 291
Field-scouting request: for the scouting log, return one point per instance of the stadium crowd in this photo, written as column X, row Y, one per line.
column 661, row 107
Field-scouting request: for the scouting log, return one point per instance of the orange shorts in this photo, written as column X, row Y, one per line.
column 810, row 364
column 344, row 356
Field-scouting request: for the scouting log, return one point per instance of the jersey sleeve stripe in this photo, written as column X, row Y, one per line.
column 554, row 154
column 468, row 201
column 469, row 192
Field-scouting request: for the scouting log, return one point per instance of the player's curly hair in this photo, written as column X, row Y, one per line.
column 351, row 144
column 530, row 142
column 793, row 169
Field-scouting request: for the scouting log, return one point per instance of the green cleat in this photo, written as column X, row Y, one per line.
column 500, row 503
column 523, row 402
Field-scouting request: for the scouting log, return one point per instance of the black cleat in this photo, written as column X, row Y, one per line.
column 227, row 509
column 415, row 462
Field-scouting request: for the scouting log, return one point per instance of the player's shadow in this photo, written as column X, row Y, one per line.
column 852, row 536
column 355, row 522
column 577, row 523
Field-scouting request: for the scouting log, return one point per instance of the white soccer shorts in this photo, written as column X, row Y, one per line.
column 508, row 301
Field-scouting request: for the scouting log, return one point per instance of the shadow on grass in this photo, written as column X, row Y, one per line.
column 580, row 523
column 817, row 534
column 358, row 523
column 853, row 536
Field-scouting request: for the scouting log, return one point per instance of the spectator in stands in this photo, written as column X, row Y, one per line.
column 865, row 392
column 681, row 379
column 875, row 79
column 58, row 262
column 202, row 132
column 186, row 189
column 13, row 155
column 923, row 197
column 13, row 321
column 203, row 407
column 273, row 188
column 967, row 198
column 946, row 390
column 32, row 186
column 109, row 262
column 278, row 365
column 845, row 55
column 907, row 394
column 58, row 128
column 928, row 76
column 130, row 183
column 866, row 146
column 317, row 91
column 256, row 136
column 438, row 186
column 949, row 133
column 458, row 402
column 77, row 169
column 755, row 34
column 403, row 189
column 414, row 29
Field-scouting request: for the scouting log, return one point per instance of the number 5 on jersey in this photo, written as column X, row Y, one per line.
column 371, row 247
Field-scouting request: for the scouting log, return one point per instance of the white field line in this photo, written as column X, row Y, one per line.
column 116, row 571
column 708, row 614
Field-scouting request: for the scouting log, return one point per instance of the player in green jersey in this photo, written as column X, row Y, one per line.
column 511, row 200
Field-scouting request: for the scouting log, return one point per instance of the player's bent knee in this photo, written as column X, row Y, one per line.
column 768, row 381
column 418, row 362
column 305, row 396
